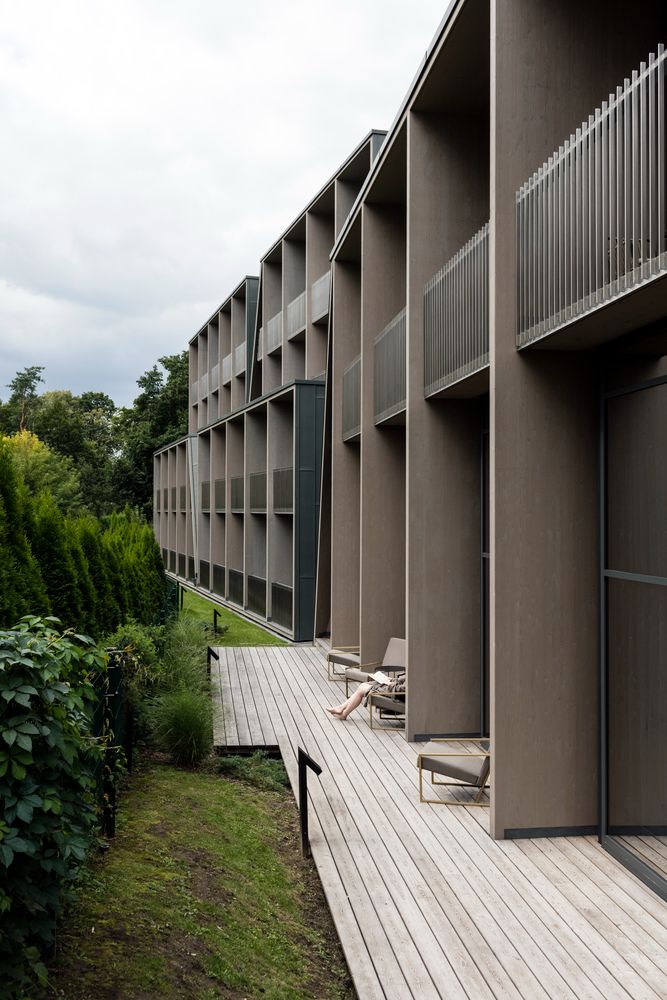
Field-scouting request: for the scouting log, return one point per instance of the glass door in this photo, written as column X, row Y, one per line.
column 633, row 589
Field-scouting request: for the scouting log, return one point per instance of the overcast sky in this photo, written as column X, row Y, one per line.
column 154, row 149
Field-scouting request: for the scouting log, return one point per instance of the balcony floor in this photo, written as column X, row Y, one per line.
column 425, row 903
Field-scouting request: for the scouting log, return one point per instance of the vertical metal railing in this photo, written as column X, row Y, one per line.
column 206, row 496
column 274, row 333
column 237, row 494
column 219, row 492
column 214, row 381
column 203, row 385
column 389, row 369
column 239, row 359
column 295, row 317
column 351, row 415
column 257, row 492
column 456, row 316
column 283, row 491
column 320, row 297
column 227, row 369
column 591, row 221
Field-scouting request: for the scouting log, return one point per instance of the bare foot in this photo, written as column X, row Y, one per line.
column 338, row 712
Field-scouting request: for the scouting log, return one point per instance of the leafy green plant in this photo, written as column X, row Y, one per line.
column 48, row 765
column 183, row 725
column 184, row 654
column 257, row 769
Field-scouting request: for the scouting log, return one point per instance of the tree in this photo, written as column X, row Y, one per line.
column 22, row 588
column 18, row 412
column 158, row 416
column 44, row 469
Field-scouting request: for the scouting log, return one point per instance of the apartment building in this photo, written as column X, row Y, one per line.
column 475, row 311
column 237, row 500
column 498, row 395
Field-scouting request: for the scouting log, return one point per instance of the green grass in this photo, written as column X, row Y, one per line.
column 240, row 632
column 202, row 894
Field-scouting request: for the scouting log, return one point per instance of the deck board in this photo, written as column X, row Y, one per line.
column 425, row 903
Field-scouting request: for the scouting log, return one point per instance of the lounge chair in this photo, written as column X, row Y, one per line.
column 344, row 656
column 393, row 661
column 469, row 768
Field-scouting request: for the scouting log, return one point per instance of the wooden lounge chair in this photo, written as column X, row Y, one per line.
column 344, row 656
column 468, row 768
column 393, row 661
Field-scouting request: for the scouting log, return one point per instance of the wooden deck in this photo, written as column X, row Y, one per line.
column 425, row 903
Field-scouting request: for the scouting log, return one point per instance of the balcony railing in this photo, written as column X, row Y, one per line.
column 283, row 491
column 218, row 580
column 182, row 497
column 281, row 604
column 206, row 496
column 214, row 381
column 194, row 392
column 257, row 491
column 274, row 334
column 204, row 574
column 157, row 501
column 181, row 565
column 165, row 496
column 227, row 369
column 456, row 316
column 239, row 359
column 257, row 595
column 172, row 561
column 295, row 318
column 389, row 369
column 320, row 297
column 220, row 498
column 191, row 568
column 203, row 385
column 237, row 494
column 591, row 221
column 235, row 592
column 173, row 499
column 352, row 400
column 165, row 558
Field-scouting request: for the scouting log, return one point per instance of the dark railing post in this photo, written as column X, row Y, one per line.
column 215, row 621
column 305, row 762
column 181, row 596
column 210, row 655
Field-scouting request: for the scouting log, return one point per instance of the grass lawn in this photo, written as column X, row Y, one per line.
column 240, row 631
column 203, row 894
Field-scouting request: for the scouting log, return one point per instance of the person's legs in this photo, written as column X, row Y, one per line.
column 343, row 710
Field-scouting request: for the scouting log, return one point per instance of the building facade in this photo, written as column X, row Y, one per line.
column 494, row 355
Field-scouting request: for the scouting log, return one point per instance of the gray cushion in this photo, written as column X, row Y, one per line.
column 344, row 659
column 468, row 768
column 396, row 705
column 355, row 674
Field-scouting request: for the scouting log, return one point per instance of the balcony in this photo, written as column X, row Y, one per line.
column 389, row 370
column 182, row 497
column 283, row 491
column 237, row 495
column 240, row 359
column 352, row 401
column 456, row 319
column 220, row 498
column 203, row 385
column 320, row 297
column 227, row 369
column 274, row 334
column 257, row 492
column 295, row 317
column 206, row 497
column 214, row 379
column 194, row 392
column 591, row 224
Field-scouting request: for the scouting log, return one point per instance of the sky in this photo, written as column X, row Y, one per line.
column 153, row 150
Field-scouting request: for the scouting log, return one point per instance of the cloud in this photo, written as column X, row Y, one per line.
column 154, row 150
